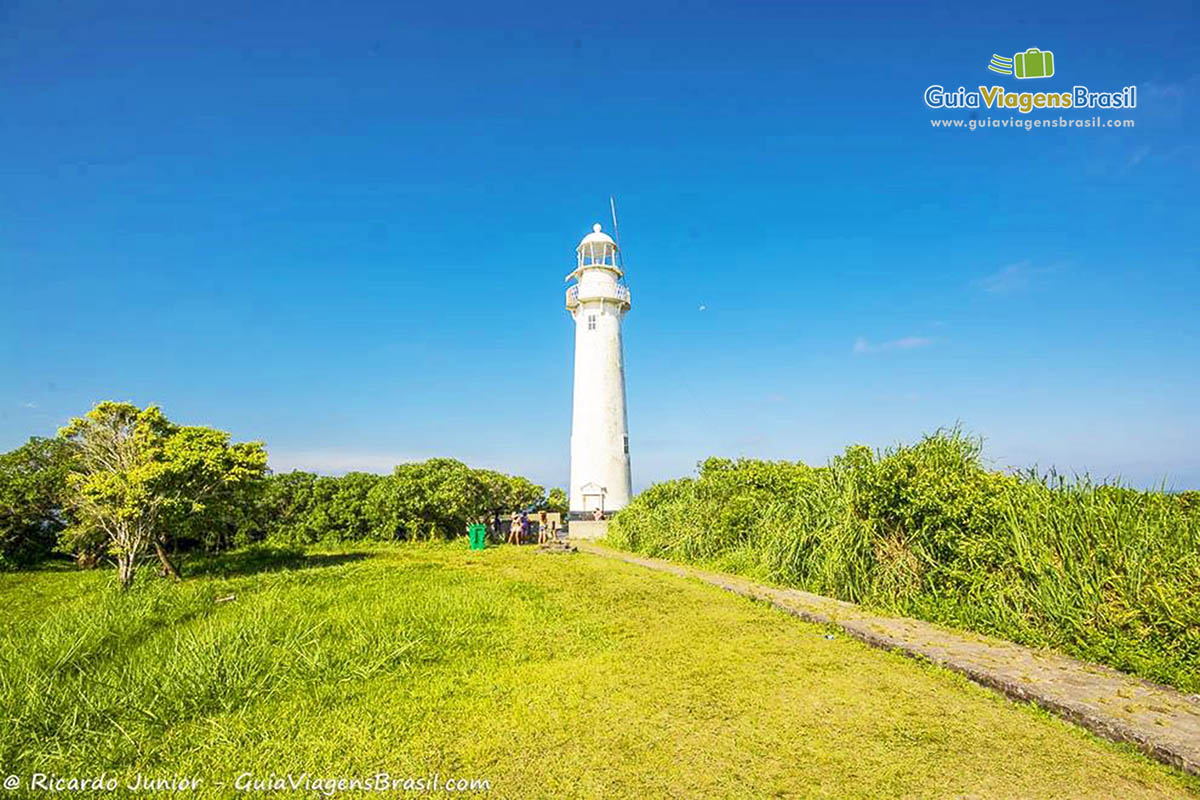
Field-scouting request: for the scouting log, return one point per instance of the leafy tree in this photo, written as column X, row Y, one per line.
column 302, row 508
column 207, row 485
column 439, row 497
column 339, row 511
column 435, row 498
column 117, row 447
column 141, row 479
column 287, row 499
column 32, row 483
column 557, row 501
column 524, row 492
column 507, row 492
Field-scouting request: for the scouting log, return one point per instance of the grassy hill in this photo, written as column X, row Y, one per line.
column 545, row 675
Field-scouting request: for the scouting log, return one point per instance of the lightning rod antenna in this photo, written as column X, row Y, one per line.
column 612, row 203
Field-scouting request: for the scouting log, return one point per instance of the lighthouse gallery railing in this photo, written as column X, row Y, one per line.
column 623, row 296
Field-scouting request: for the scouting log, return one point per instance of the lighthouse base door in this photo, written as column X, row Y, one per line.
column 591, row 502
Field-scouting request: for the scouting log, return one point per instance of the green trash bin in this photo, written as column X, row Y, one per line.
column 478, row 535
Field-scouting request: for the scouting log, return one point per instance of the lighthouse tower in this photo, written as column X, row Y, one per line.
column 599, row 430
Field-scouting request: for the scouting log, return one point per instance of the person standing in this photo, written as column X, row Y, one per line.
column 514, row 528
column 543, row 527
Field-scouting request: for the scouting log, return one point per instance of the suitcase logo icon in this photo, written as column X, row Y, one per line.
column 1033, row 63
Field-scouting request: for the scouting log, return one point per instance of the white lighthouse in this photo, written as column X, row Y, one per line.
column 599, row 429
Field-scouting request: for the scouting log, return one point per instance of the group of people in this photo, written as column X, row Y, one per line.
column 520, row 523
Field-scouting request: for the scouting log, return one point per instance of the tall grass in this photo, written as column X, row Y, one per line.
column 1100, row 571
column 109, row 672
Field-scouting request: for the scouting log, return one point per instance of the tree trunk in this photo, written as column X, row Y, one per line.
column 125, row 562
column 168, row 568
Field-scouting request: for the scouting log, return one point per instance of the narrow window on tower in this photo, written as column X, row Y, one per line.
column 591, row 322
column 626, row 445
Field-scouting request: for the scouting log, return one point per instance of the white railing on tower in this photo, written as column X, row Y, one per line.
column 622, row 296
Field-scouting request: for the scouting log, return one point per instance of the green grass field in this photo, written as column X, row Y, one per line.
column 546, row 675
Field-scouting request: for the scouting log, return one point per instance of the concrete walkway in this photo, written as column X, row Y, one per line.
column 1162, row 722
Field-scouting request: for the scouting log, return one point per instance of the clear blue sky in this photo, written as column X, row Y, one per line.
column 342, row 228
